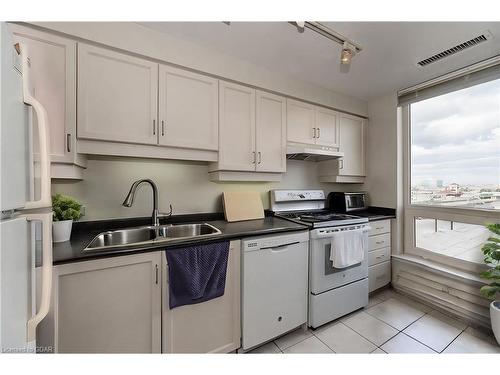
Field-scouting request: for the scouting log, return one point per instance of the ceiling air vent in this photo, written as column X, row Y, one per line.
column 451, row 51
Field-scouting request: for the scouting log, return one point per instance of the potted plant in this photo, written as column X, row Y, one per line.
column 491, row 251
column 65, row 211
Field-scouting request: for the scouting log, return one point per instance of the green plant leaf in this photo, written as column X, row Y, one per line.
column 65, row 208
column 490, row 291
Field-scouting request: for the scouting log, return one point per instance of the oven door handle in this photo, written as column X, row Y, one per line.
column 280, row 246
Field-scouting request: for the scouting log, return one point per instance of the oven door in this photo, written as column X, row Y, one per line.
column 322, row 275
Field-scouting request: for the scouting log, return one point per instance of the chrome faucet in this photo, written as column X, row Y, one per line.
column 129, row 200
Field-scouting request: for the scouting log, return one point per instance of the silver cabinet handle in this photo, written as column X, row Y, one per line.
column 341, row 164
column 162, row 128
column 154, row 127
column 379, row 242
column 314, row 132
column 379, row 228
column 156, row 274
column 319, row 132
column 260, row 157
column 254, row 157
column 68, row 142
column 380, row 257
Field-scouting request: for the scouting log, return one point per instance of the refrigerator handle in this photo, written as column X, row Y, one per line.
column 43, row 309
column 43, row 136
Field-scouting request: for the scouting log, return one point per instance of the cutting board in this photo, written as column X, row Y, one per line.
column 242, row 205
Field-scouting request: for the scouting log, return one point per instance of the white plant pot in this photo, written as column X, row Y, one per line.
column 61, row 230
column 495, row 319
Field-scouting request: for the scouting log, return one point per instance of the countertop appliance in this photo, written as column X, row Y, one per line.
column 346, row 202
column 274, row 286
column 332, row 292
column 19, row 207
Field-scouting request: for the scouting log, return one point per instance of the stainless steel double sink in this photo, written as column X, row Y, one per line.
column 128, row 238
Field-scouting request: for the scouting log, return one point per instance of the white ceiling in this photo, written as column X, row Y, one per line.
column 386, row 63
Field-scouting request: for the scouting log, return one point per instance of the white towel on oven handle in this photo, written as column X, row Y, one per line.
column 348, row 247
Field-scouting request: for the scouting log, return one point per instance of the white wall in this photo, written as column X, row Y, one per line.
column 382, row 151
column 183, row 184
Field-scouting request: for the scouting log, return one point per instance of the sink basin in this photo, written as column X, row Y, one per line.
column 128, row 238
column 187, row 230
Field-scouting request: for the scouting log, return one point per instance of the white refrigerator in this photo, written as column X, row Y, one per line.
column 20, row 206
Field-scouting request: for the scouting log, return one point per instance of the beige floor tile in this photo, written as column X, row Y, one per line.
column 482, row 334
column 384, row 294
column 342, row 339
column 311, row 345
column 436, row 331
column 370, row 328
column 292, row 338
column 413, row 303
column 466, row 343
column 372, row 301
column 269, row 348
column 395, row 313
column 404, row 344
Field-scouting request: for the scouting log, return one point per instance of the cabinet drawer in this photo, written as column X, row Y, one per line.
column 379, row 241
column 379, row 227
column 379, row 256
column 379, row 275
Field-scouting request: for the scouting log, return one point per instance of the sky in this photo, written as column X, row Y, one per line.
column 456, row 137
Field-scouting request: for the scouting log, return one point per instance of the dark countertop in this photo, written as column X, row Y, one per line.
column 377, row 213
column 84, row 232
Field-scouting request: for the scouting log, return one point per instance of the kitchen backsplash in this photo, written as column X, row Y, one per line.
column 183, row 184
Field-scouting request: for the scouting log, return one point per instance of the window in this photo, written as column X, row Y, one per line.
column 452, row 168
column 455, row 148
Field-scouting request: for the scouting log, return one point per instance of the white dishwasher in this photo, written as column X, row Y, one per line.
column 274, row 286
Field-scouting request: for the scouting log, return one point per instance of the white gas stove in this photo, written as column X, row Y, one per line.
column 333, row 292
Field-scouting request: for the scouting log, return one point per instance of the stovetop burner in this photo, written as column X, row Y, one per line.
column 320, row 216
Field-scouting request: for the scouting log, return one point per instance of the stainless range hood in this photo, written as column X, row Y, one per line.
column 297, row 151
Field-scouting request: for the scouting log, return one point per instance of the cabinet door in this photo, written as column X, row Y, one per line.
column 300, row 122
column 327, row 125
column 188, row 109
column 236, row 127
column 271, row 132
column 53, row 81
column 117, row 96
column 111, row 305
column 209, row 327
column 352, row 134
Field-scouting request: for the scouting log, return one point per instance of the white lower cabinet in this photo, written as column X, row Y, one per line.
column 379, row 254
column 110, row 305
column 209, row 327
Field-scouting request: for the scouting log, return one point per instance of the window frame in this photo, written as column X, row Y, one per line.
column 457, row 214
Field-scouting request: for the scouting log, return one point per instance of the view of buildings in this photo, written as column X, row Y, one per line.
column 455, row 195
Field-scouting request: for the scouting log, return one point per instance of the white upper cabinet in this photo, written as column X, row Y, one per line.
column 117, row 96
column 300, row 122
column 188, row 107
column 352, row 144
column 351, row 167
column 327, row 127
column 310, row 124
column 53, row 82
column 236, row 127
column 252, row 135
column 271, row 132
